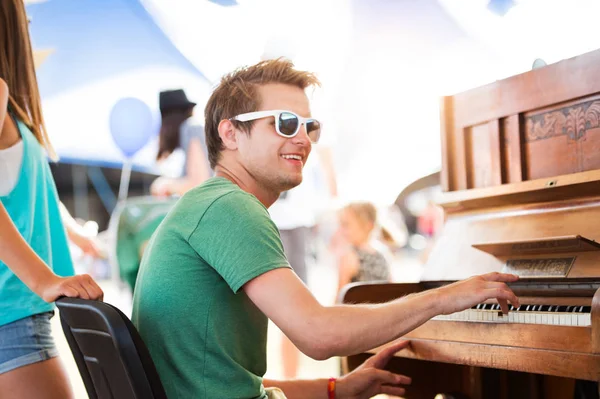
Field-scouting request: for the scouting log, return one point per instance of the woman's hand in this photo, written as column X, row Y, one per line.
column 161, row 187
column 370, row 378
column 80, row 286
column 88, row 245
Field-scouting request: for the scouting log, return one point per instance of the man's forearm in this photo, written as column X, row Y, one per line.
column 351, row 329
column 322, row 332
column 300, row 389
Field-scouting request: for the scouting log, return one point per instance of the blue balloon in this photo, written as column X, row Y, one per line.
column 131, row 125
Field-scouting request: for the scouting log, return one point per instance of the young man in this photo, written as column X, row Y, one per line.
column 215, row 269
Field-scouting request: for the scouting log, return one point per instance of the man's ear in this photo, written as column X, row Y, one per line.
column 227, row 133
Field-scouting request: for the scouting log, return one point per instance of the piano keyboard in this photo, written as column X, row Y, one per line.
column 525, row 314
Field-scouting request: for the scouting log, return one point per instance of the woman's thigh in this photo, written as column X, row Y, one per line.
column 29, row 367
column 41, row 380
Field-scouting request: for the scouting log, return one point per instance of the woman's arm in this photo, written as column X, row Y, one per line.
column 196, row 165
column 34, row 272
column 77, row 236
column 348, row 268
column 197, row 172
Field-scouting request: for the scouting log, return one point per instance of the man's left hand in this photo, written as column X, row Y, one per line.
column 369, row 379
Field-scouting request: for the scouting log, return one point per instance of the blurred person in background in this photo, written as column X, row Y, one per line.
column 35, row 264
column 429, row 223
column 361, row 257
column 177, row 131
column 78, row 235
column 295, row 214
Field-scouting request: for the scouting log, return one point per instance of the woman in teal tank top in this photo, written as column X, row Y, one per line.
column 35, row 263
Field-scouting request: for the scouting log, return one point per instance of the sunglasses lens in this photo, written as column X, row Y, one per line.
column 288, row 123
column 313, row 129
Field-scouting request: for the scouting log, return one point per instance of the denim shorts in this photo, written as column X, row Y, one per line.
column 26, row 341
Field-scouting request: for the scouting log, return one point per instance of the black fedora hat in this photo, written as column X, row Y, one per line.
column 174, row 99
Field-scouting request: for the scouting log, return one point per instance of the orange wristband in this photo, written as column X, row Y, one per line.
column 331, row 388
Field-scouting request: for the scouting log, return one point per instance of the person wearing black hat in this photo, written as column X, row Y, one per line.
column 177, row 131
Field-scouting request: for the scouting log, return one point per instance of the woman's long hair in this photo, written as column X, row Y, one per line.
column 17, row 70
column 168, row 139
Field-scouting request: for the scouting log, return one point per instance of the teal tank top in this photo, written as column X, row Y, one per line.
column 33, row 206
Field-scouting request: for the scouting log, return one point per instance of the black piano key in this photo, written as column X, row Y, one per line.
column 535, row 308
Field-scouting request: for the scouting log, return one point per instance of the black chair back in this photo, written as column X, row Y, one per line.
column 113, row 360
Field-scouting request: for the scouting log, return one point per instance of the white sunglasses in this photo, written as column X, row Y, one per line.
column 287, row 123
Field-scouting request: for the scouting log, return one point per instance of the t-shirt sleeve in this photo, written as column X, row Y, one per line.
column 238, row 239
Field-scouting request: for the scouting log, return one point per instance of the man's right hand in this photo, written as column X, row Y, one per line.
column 79, row 286
column 467, row 293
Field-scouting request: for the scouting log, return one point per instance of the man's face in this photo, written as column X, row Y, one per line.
column 264, row 153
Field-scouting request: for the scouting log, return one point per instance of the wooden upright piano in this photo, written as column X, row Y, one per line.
column 521, row 182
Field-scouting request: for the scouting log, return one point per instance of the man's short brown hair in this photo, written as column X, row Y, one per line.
column 237, row 94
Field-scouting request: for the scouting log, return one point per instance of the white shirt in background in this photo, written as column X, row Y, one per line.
column 299, row 206
column 10, row 167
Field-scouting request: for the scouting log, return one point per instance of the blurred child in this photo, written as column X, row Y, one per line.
column 34, row 255
column 360, row 259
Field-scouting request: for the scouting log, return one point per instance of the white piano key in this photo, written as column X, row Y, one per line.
column 465, row 316
column 585, row 319
column 494, row 316
column 470, row 315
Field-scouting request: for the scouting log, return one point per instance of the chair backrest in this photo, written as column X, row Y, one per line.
column 113, row 360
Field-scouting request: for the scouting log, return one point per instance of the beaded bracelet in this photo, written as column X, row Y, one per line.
column 331, row 388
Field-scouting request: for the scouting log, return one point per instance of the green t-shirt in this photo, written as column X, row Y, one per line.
column 206, row 337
